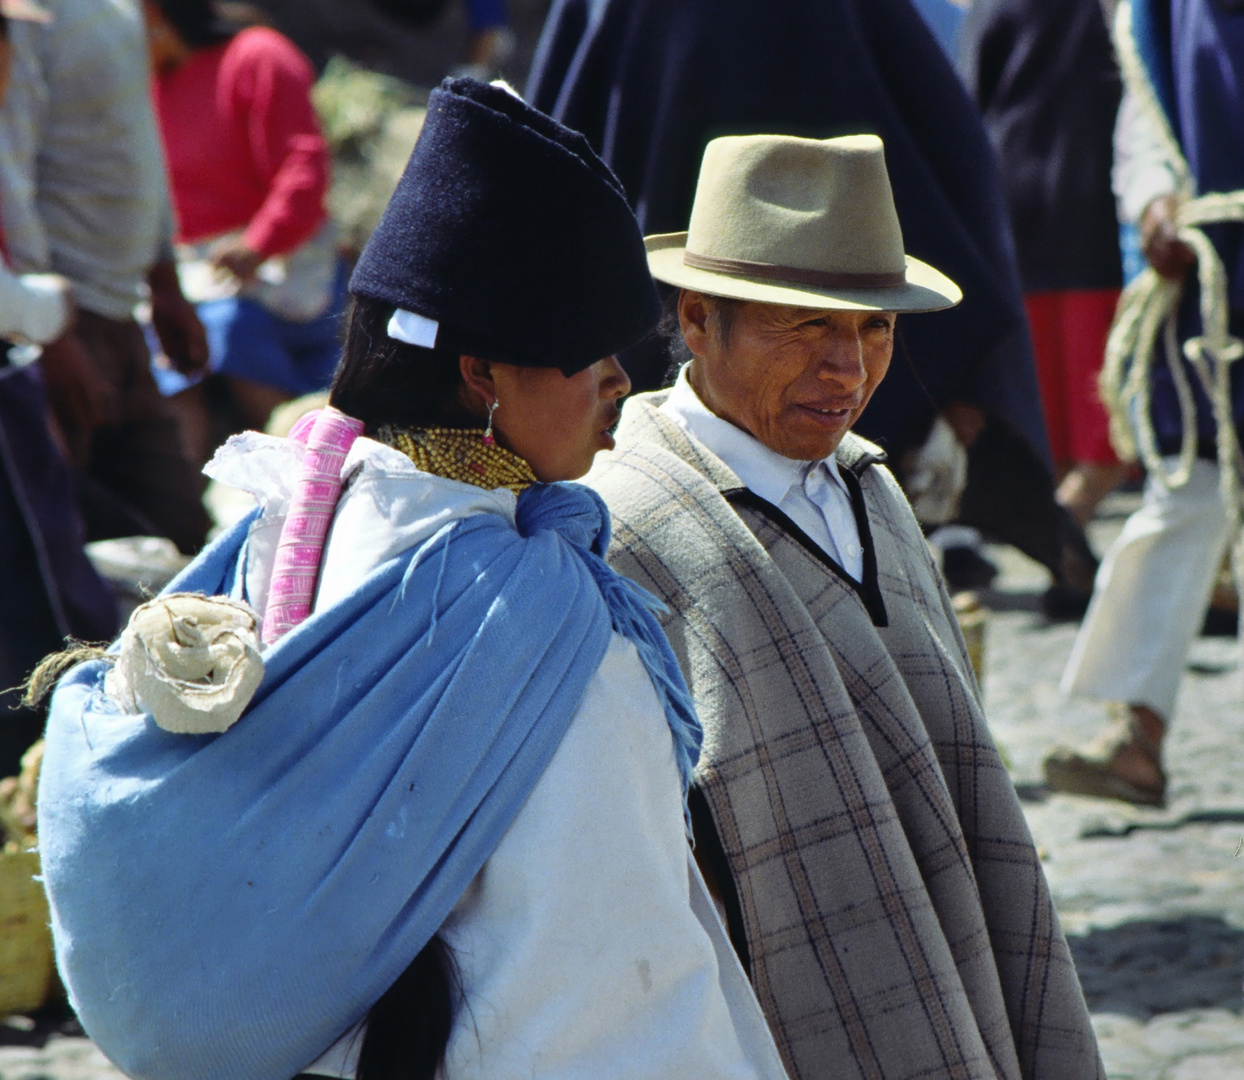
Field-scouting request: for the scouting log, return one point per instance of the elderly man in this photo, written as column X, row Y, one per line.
column 866, row 843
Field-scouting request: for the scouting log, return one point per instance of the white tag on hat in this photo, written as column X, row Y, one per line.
column 413, row 329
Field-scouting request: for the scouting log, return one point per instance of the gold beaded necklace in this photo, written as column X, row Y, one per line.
column 460, row 454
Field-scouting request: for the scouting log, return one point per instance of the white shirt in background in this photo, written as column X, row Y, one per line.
column 811, row 493
column 84, row 191
column 34, row 308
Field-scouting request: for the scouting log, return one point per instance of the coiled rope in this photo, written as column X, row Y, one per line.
column 1146, row 321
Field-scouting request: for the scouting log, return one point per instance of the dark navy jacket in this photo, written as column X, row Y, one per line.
column 650, row 82
column 1044, row 76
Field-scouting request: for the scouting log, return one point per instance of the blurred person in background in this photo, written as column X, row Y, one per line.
column 249, row 169
column 490, row 42
column 1043, row 74
column 84, row 195
column 650, row 83
column 48, row 591
column 1180, row 130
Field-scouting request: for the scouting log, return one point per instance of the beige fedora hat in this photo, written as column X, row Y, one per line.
column 807, row 222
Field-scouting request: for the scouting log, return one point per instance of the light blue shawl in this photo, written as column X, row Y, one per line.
column 224, row 907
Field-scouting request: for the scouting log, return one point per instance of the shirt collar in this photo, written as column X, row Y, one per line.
column 764, row 471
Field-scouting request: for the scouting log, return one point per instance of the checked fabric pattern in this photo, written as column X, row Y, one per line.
column 328, row 435
column 898, row 920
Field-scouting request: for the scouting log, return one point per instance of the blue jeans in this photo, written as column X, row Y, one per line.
column 247, row 341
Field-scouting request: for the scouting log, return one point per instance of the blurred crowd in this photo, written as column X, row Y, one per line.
column 172, row 274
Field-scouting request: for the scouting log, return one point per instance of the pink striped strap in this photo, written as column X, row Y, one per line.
column 328, row 435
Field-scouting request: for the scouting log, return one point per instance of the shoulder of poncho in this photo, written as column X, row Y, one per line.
column 878, row 482
column 858, row 454
column 649, row 462
column 655, row 465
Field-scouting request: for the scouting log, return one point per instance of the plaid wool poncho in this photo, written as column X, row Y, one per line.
column 896, row 917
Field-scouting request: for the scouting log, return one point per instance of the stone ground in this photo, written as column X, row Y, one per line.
column 1150, row 899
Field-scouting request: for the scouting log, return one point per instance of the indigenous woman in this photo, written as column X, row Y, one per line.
column 249, row 170
column 447, row 832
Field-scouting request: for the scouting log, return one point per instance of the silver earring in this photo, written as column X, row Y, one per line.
column 488, row 438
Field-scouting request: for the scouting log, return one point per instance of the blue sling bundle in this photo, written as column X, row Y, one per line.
column 226, row 906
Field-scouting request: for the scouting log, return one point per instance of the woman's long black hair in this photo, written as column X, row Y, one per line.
column 408, row 1028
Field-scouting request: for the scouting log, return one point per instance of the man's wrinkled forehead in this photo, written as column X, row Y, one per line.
column 726, row 312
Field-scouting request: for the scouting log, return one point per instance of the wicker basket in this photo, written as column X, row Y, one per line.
column 27, row 970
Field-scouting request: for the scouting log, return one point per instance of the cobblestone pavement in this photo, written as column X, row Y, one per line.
column 1150, row 899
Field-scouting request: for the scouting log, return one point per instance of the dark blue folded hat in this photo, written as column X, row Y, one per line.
column 509, row 239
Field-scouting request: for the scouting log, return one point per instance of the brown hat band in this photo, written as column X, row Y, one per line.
column 825, row 279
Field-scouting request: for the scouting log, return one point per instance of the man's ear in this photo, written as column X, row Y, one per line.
column 693, row 316
column 477, row 381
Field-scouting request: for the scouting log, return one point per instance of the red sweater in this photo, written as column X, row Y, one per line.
column 243, row 142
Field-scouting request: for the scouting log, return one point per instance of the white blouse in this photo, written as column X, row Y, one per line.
column 587, row 946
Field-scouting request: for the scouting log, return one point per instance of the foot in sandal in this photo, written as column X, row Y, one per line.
column 1123, row 762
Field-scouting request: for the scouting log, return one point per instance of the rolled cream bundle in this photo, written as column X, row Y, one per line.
column 191, row 661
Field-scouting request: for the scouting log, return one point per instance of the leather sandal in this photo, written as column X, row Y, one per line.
column 1093, row 769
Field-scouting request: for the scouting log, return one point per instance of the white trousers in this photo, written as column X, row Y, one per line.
column 1150, row 595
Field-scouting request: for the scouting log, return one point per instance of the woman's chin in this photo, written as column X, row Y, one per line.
column 572, row 468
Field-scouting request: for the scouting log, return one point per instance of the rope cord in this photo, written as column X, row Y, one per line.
column 1146, row 321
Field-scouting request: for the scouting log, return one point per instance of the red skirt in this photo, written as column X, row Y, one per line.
column 1069, row 331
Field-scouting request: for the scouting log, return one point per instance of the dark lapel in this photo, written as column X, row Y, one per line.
column 856, row 457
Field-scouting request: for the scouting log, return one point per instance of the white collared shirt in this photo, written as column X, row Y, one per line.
column 811, row 493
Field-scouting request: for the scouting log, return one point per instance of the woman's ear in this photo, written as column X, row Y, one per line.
column 477, row 380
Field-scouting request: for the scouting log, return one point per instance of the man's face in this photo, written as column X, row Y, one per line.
column 795, row 378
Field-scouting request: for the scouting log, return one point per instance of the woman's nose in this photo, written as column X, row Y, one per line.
column 615, row 380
